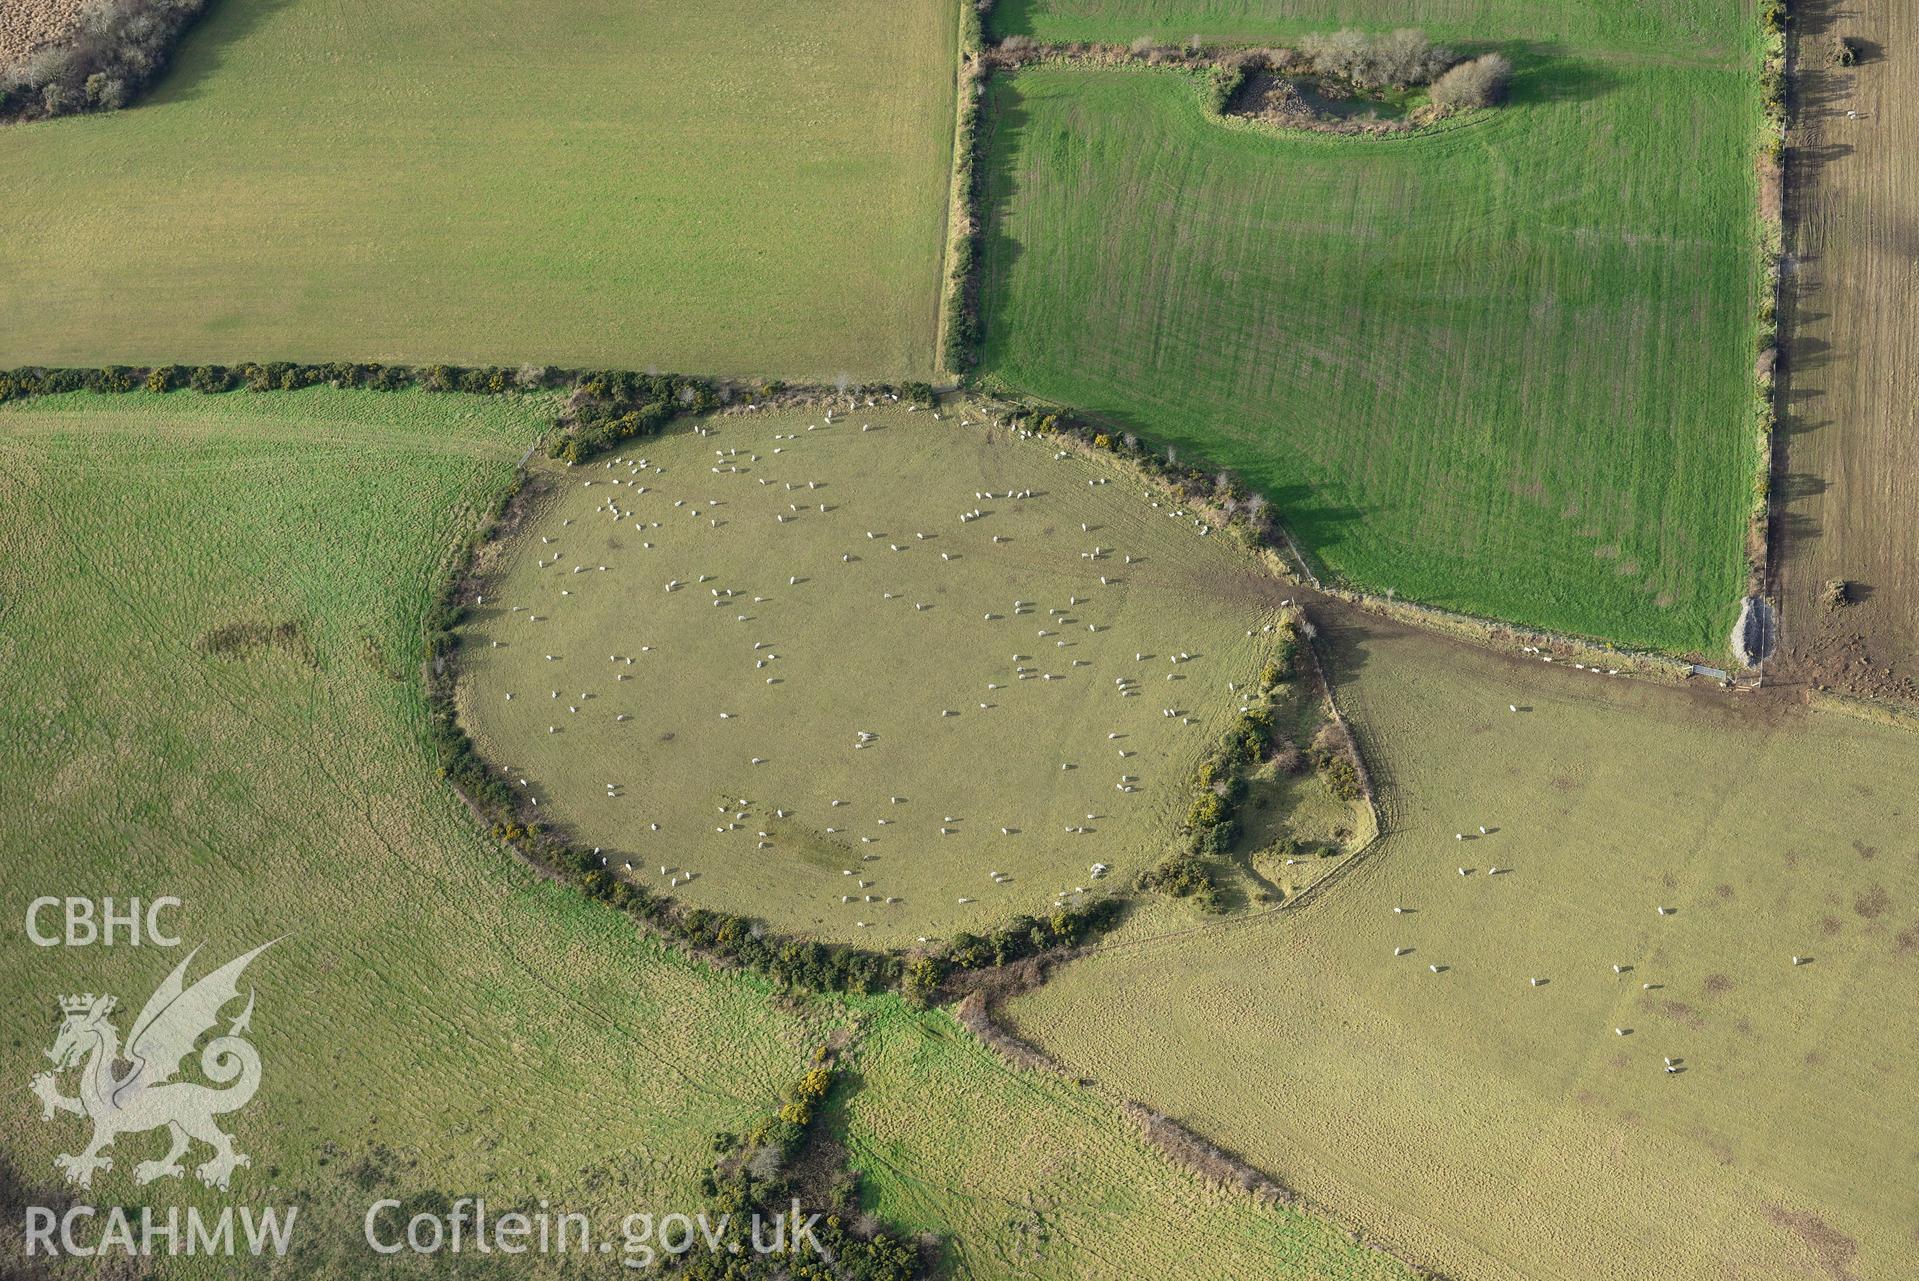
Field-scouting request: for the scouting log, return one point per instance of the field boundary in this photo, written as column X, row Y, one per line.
column 956, row 336
column 1493, row 633
column 1777, row 58
column 718, row 936
column 591, row 424
column 1267, row 532
column 597, row 419
column 1308, row 896
column 1176, row 1143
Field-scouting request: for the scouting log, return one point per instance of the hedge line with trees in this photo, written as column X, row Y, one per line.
column 594, row 390
column 756, row 1178
column 277, row 375
column 117, row 49
column 1219, row 493
column 959, row 343
column 1219, row 785
column 1775, row 19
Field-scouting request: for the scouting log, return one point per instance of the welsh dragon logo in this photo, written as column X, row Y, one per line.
column 131, row 1090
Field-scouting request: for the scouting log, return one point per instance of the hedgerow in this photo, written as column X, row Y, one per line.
column 1219, row 785
column 275, row 375
column 1774, row 19
column 959, row 343
column 774, row 1170
column 1220, row 493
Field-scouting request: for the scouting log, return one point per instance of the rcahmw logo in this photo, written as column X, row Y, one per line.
column 130, row 1087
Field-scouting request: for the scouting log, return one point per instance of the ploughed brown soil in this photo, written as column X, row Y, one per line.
column 25, row 25
column 1847, row 506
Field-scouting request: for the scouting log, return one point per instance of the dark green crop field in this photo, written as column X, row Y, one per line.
column 1502, row 365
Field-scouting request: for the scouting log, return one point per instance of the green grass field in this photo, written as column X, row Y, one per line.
column 986, row 657
column 1030, row 1176
column 435, row 1020
column 1501, row 367
column 1681, row 29
column 1498, row 1129
column 741, row 188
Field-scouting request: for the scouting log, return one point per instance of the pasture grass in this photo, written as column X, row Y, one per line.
column 1295, row 830
column 741, row 188
column 1503, row 366
column 435, row 1019
column 829, row 588
column 1029, row 1175
column 1494, row 1128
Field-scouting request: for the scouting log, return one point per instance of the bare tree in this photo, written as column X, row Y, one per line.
column 1402, row 57
column 1479, row 83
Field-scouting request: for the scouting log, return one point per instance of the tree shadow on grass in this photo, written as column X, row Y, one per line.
column 1002, row 115
column 203, row 50
column 1545, row 74
column 1316, row 521
column 1010, row 18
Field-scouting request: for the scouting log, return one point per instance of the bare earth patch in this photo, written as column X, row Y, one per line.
column 1832, row 1249
column 1843, row 513
column 26, row 25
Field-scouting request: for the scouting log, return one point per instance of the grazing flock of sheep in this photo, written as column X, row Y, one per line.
column 779, row 479
column 1670, row 1064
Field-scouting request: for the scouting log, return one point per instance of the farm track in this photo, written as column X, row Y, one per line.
column 1845, row 507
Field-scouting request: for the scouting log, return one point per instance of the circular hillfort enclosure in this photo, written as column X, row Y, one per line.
column 874, row 679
